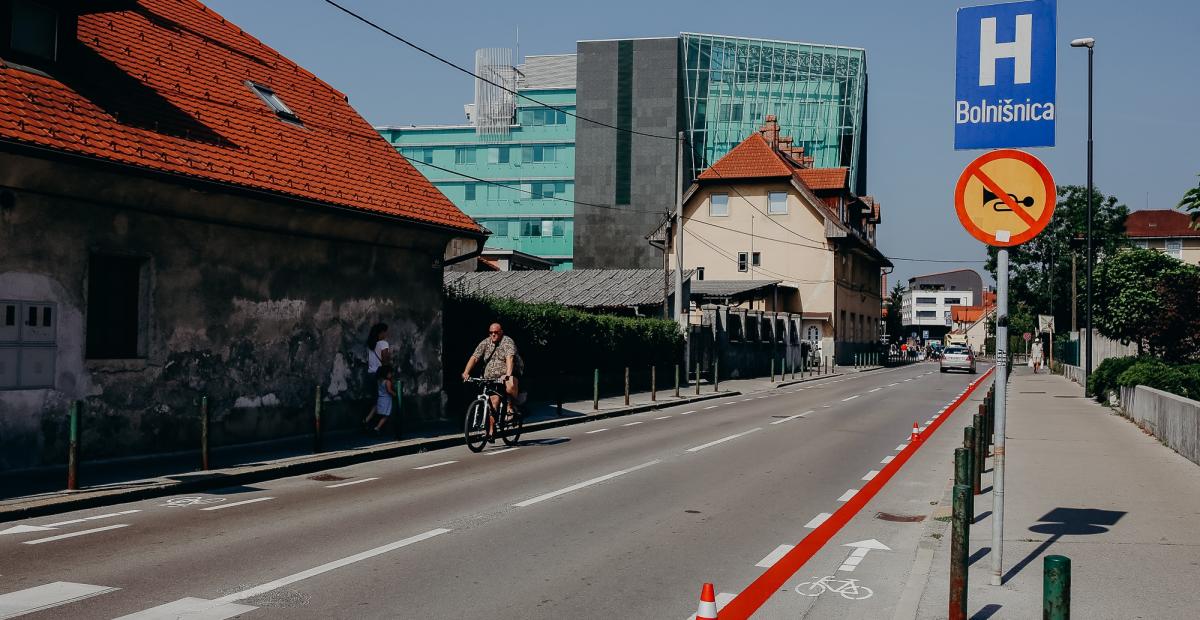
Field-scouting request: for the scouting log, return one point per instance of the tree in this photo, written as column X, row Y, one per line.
column 1140, row 294
column 1040, row 269
column 1177, row 325
column 895, row 320
column 1191, row 202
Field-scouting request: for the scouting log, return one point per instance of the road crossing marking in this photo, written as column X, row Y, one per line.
column 851, row 398
column 241, row 503
column 722, row 440
column 585, row 483
column 871, row 474
column 791, row 417
column 502, row 451
column 774, row 556
column 47, row 596
column 346, row 484
column 39, row 541
column 435, row 465
column 599, row 430
column 192, row 609
column 847, row 495
column 817, row 520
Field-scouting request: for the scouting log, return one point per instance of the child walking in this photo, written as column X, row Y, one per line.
column 386, row 396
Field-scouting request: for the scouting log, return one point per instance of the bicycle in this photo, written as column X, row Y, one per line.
column 484, row 424
column 848, row 588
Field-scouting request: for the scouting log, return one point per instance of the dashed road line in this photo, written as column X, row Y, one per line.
column 774, row 556
column 851, row 398
column 500, row 451
column 92, row 518
column 663, row 417
column 585, row 483
column 901, row 447
column 634, row 423
column 39, row 541
column 871, row 474
column 723, row 440
column 687, row 412
column 435, row 465
column 892, row 384
column 346, row 484
column 791, row 417
column 712, row 406
column 874, row 390
column 847, row 495
column 241, row 503
column 887, row 459
column 599, row 430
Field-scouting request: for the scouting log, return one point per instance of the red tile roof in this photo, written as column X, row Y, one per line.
column 966, row 314
column 752, row 159
column 1159, row 223
column 162, row 85
column 818, row 179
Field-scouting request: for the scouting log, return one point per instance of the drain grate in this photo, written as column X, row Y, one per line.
column 887, row 516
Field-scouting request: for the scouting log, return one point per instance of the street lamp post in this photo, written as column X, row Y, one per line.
column 1090, row 44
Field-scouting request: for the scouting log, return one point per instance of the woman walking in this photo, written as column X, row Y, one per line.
column 378, row 354
column 385, row 396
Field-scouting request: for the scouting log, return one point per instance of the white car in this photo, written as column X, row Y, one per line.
column 957, row 358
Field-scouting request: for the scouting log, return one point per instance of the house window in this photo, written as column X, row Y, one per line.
column 952, row 301
column 756, row 259
column 274, row 102
column 777, row 203
column 531, row 228
column 539, row 154
column 718, row 206
column 464, row 155
column 1175, row 248
column 743, row 259
column 498, row 155
column 700, row 273
column 559, row 228
column 34, row 29
column 926, row 314
column 814, row 334
column 548, row 190
column 116, row 307
column 470, row 191
column 927, row 300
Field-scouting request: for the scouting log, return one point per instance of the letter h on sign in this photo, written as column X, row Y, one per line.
column 1004, row 78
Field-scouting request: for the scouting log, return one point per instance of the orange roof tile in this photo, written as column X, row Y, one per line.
column 818, row 179
column 162, row 85
column 752, row 159
column 1159, row 223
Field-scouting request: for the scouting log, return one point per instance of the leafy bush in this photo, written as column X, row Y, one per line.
column 1104, row 377
column 1156, row 374
column 1191, row 381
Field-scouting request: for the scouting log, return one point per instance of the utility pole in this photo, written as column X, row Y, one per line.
column 681, row 305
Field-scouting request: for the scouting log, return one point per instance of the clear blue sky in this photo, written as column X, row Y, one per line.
column 1147, row 83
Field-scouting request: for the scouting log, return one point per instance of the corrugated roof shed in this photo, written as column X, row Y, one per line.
column 579, row 288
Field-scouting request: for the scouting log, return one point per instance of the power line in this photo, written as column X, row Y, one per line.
column 483, row 79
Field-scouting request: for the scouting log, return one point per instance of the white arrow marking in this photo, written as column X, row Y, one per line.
column 22, row 529
column 861, row 549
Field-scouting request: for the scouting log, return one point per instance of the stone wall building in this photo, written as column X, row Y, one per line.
column 185, row 212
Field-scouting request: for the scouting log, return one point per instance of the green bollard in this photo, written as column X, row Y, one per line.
column 204, row 433
column 73, row 447
column 596, row 389
column 979, row 454
column 1056, row 587
column 676, row 380
column 960, row 545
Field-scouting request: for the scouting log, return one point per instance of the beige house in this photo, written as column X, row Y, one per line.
column 762, row 214
column 1167, row 231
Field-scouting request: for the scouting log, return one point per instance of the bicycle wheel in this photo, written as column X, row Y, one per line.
column 512, row 430
column 811, row 588
column 475, row 426
column 855, row 592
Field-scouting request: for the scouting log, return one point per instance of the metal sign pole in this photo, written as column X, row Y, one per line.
column 1000, row 396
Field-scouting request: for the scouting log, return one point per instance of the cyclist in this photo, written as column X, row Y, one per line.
column 501, row 363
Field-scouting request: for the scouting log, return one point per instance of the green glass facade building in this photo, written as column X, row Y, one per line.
column 524, row 177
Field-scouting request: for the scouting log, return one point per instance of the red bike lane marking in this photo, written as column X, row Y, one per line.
column 770, row 582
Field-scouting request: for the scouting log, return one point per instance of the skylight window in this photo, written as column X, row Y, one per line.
column 274, row 102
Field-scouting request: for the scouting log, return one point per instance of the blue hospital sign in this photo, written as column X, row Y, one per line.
column 1004, row 78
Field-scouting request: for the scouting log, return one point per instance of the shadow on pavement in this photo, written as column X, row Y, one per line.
column 1066, row 521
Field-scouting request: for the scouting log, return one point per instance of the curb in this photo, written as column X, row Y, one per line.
column 309, row 464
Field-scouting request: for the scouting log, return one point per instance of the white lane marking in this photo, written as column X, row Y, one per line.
column 871, row 474
column 874, row 390
column 892, row 384
column 632, row 423
column 47, row 596
column 791, row 417
column 851, row 398
column 192, row 609
column 241, row 503
column 826, row 406
column 774, row 556
column 760, row 397
column 39, row 541
column 328, row 566
column 746, row 400
column 818, row 520
column 93, row 518
column 599, row 430
column 723, row 599
column 887, row 459
column 662, row 417
column 687, row 412
column 435, row 465
column 907, row 380
column 901, row 447
column 25, row 529
column 500, row 451
column 585, row 483
column 712, row 406
column 722, row 440
column 346, row 484
column 847, row 495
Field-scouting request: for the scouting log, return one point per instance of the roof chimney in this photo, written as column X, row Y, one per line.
column 770, row 131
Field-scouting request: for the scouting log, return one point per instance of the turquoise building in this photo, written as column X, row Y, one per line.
column 514, row 169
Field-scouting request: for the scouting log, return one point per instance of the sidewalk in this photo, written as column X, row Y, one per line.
column 1085, row 483
column 28, row 494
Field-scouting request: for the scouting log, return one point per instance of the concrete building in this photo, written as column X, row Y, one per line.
column 511, row 166
column 1167, row 231
column 186, row 212
column 761, row 214
column 717, row 90
column 927, row 307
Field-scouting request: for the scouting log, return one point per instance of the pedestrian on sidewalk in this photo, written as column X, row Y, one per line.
column 1035, row 355
column 385, row 396
column 379, row 352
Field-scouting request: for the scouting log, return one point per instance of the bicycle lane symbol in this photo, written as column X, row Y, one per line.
column 848, row 588
column 195, row 500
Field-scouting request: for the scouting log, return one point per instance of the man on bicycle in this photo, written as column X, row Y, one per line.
column 501, row 363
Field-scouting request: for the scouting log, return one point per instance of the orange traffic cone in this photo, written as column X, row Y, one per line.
column 916, row 433
column 708, row 604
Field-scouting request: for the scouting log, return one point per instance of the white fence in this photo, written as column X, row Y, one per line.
column 1174, row 420
column 1074, row 373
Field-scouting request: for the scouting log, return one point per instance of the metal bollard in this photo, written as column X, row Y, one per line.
column 1056, row 587
column 977, row 481
column 697, row 378
column 626, row 386
column 653, row 383
column 960, row 545
column 596, row 389
column 968, row 474
column 204, row 433
column 317, row 420
column 73, row 446
column 716, row 375
column 772, row 370
column 676, row 380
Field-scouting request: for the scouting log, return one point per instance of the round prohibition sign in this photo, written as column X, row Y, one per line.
column 1005, row 197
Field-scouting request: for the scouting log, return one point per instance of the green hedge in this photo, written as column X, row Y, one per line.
column 562, row 346
column 1118, row 372
column 1104, row 377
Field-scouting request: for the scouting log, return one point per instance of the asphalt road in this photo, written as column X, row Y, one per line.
column 624, row 517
